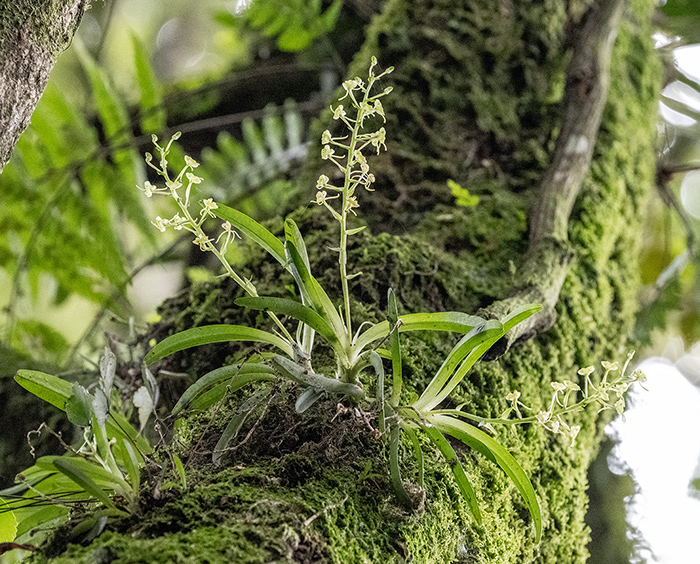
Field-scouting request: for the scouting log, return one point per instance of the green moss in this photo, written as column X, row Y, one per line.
column 38, row 19
column 477, row 102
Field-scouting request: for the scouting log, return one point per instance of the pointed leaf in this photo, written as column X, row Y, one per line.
column 460, row 476
column 296, row 310
column 45, row 386
column 307, row 398
column 83, row 473
column 395, row 468
column 481, row 441
column 455, row 321
column 316, row 294
column 232, row 377
column 213, row 334
column 254, row 230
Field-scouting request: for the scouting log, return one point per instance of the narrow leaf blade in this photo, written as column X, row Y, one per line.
column 213, row 334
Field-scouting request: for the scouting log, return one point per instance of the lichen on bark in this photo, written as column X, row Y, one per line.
column 477, row 102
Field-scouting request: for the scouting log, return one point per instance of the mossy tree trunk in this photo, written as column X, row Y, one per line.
column 482, row 95
column 33, row 33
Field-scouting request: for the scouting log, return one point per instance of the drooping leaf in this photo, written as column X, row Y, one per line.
column 85, row 474
column 45, row 386
column 232, row 377
column 457, row 470
column 213, row 334
column 482, row 442
column 395, row 468
column 296, row 310
column 234, row 426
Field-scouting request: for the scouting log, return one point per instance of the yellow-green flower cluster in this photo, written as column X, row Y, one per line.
column 171, row 187
column 351, row 161
column 608, row 394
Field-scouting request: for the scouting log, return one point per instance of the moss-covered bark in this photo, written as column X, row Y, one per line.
column 33, row 33
column 477, row 97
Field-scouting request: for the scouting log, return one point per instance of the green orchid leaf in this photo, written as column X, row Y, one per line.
column 296, row 310
column 32, row 518
column 307, row 398
column 472, row 346
column 418, row 452
column 45, row 386
column 519, row 314
column 395, row 348
column 213, row 334
column 439, row 440
column 454, row 321
column 8, row 523
column 234, row 426
column 312, row 290
column 376, row 362
column 251, row 228
column 85, row 475
column 233, row 378
column 180, row 469
column 79, row 406
column 395, row 469
column 477, row 439
column 293, row 236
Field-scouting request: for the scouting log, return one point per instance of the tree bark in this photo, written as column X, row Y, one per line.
column 479, row 97
column 33, row 33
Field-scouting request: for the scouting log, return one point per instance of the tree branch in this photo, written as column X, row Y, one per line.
column 33, row 33
column 549, row 254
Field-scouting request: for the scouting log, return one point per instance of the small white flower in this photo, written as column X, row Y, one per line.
column 379, row 140
column 574, row 433
column 208, row 205
column 379, row 109
column 327, row 152
column 352, row 203
column 159, row 223
column 148, row 189
column 321, row 197
column 513, row 396
column 558, row 386
column 339, row 112
column 610, row 366
column 201, row 240
column 193, row 179
column 543, row 416
column 190, row 162
column 587, row 371
column 322, row 181
column 326, row 137
column 571, row 386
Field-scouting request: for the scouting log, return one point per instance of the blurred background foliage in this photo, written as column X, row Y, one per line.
column 242, row 80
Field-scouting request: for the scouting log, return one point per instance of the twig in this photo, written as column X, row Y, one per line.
column 324, row 511
column 549, row 253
